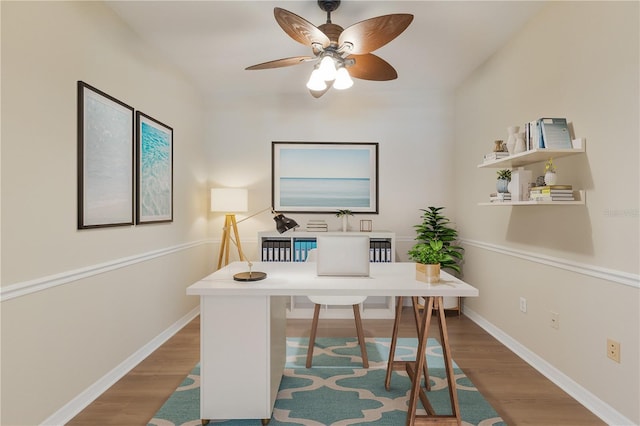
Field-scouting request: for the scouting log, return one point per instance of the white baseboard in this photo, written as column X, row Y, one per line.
column 594, row 404
column 80, row 402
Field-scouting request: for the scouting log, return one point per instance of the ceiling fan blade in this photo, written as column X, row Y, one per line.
column 371, row 34
column 371, row 67
column 279, row 63
column 299, row 28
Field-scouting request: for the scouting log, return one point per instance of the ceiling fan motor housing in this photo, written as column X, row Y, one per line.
column 328, row 5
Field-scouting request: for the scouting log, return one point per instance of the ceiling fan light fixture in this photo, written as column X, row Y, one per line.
column 327, row 68
column 316, row 82
column 334, row 47
column 343, row 79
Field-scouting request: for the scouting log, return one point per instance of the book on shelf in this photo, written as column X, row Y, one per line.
column 492, row 156
column 550, row 133
column 555, row 133
column 533, row 134
column 551, row 192
column 541, row 197
column 552, row 187
column 317, row 225
column 499, row 196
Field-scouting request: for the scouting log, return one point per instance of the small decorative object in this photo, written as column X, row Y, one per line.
column 540, row 181
column 504, row 176
column 365, row 225
column 511, row 140
column 498, row 146
column 344, row 214
column 550, row 177
column 428, row 258
column 519, row 185
column 520, row 145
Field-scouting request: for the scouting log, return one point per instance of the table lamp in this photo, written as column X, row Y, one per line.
column 229, row 201
column 235, row 200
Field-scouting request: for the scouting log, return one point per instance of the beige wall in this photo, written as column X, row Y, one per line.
column 414, row 133
column 577, row 60
column 121, row 287
column 78, row 332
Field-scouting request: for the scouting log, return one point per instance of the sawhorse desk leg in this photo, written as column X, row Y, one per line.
column 416, row 389
column 392, row 364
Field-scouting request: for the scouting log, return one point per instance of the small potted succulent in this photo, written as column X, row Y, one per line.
column 428, row 257
column 504, row 177
column 344, row 214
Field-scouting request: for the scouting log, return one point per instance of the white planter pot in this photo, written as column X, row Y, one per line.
column 550, row 178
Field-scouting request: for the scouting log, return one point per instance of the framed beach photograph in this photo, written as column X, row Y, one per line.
column 105, row 159
column 154, row 169
column 322, row 177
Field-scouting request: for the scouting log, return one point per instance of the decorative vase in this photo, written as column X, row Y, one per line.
column 502, row 185
column 520, row 145
column 428, row 273
column 550, row 178
column 511, row 140
column 345, row 223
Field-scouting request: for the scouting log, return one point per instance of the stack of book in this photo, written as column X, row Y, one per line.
column 551, row 193
column 548, row 133
column 317, row 225
column 493, row 156
column 499, row 197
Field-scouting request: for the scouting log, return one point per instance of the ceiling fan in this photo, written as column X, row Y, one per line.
column 340, row 53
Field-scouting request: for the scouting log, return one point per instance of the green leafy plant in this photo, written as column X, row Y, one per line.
column 436, row 227
column 504, row 174
column 433, row 253
column 345, row 212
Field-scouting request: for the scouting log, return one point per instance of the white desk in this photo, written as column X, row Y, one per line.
column 242, row 326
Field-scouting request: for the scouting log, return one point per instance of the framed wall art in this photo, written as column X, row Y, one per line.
column 105, row 159
column 154, row 170
column 321, row 177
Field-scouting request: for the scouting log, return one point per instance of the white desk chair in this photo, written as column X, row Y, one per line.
column 354, row 301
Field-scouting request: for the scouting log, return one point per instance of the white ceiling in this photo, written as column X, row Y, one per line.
column 214, row 41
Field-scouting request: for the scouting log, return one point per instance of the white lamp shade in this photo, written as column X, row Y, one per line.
column 327, row 69
column 343, row 79
column 229, row 200
column 316, row 82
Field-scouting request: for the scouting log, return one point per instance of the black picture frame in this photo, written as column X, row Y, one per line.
column 324, row 177
column 105, row 159
column 154, row 170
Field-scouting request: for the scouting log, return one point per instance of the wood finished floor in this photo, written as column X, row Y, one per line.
column 520, row 394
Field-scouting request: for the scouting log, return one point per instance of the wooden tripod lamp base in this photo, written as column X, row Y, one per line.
column 230, row 224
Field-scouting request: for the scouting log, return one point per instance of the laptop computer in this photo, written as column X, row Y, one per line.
column 343, row 256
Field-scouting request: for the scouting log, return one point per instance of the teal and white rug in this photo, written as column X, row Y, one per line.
column 338, row 391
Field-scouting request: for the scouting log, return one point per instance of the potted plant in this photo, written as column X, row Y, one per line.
column 428, row 258
column 504, row 177
column 344, row 214
column 436, row 226
column 549, row 172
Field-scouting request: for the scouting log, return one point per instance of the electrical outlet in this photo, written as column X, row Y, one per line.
column 523, row 304
column 555, row 320
column 613, row 350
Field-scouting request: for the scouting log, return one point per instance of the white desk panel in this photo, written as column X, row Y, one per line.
column 299, row 279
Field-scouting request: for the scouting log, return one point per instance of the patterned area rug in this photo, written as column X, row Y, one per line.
column 338, row 391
